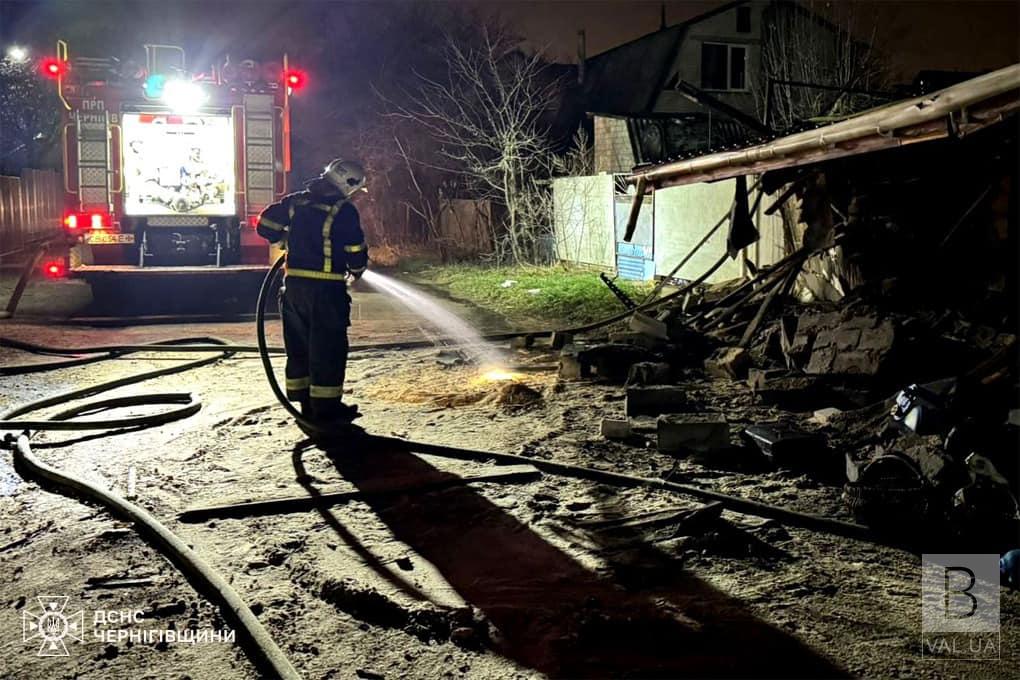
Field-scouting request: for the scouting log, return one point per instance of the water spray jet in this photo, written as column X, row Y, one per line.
column 474, row 347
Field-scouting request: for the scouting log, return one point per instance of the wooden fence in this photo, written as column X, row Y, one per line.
column 465, row 227
column 30, row 209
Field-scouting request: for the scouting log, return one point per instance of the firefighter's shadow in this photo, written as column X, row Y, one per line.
column 557, row 616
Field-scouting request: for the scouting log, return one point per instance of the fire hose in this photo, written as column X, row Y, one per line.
column 735, row 503
column 258, row 643
column 261, row 647
column 738, row 504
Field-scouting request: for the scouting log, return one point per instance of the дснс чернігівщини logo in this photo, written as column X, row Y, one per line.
column 51, row 625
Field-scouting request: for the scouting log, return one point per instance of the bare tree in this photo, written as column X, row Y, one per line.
column 485, row 114
column 537, row 204
column 820, row 60
column 28, row 116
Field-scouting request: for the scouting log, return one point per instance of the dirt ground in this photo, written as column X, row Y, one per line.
column 524, row 578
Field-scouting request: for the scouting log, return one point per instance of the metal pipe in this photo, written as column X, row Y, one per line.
column 880, row 122
column 735, row 503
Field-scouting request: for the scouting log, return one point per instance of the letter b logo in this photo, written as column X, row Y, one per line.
column 960, row 593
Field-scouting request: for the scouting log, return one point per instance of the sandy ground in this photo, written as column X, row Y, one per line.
column 505, row 580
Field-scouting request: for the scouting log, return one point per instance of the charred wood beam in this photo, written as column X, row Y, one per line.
column 779, row 289
column 304, row 502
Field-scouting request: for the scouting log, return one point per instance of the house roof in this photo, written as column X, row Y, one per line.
column 957, row 110
column 626, row 80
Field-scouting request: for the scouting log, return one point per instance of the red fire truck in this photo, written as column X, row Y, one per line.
column 165, row 169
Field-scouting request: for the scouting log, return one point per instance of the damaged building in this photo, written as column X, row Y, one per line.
column 884, row 337
column 741, row 398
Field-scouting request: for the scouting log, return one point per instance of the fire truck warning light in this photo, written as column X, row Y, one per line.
column 294, row 79
column 53, row 67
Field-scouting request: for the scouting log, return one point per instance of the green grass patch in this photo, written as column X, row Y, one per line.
column 538, row 294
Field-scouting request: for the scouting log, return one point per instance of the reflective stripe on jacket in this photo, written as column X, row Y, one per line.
column 323, row 235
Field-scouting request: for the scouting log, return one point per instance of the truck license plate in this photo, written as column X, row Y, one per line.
column 102, row 237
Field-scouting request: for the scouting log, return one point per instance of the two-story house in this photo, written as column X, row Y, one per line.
column 689, row 87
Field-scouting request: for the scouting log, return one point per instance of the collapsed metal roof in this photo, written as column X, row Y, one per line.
column 954, row 111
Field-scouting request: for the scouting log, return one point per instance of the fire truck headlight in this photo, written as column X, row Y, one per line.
column 17, row 54
column 183, row 96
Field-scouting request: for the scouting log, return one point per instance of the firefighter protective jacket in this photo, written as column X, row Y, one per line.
column 323, row 235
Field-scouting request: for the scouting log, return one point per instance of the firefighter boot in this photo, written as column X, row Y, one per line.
column 332, row 413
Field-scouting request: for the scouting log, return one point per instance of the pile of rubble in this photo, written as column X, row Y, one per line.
column 915, row 415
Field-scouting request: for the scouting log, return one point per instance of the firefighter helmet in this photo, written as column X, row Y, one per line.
column 347, row 176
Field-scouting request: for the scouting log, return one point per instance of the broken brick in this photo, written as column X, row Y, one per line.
column 728, row 362
column 650, row 326
column 613, row 428
column 692, row 432
column 655, row 399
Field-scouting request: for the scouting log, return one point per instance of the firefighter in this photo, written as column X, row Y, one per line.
column 321, row 232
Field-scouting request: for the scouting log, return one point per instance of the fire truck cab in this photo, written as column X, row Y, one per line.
column 166, row 168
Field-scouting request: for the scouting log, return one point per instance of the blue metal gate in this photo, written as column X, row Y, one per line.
column 635, row 260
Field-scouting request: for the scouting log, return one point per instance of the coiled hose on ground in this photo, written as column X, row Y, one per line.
column 258, row 643
column 262, row 649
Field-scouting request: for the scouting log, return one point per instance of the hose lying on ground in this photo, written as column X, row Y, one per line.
column 118, row 351
column 260, row 335
column 735, row 503
column 260, row 646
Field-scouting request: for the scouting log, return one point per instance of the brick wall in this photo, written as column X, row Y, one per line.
column 613, row 152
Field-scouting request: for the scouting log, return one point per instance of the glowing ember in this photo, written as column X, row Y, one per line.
column 498, row 374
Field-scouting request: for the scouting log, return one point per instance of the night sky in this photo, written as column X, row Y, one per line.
column 968, row 36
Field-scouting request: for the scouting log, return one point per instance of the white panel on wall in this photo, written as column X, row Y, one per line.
column 584, row 222
column 683, row 215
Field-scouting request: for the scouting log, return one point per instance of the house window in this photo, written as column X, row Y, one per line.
column 723, row 67
column 743, row 19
